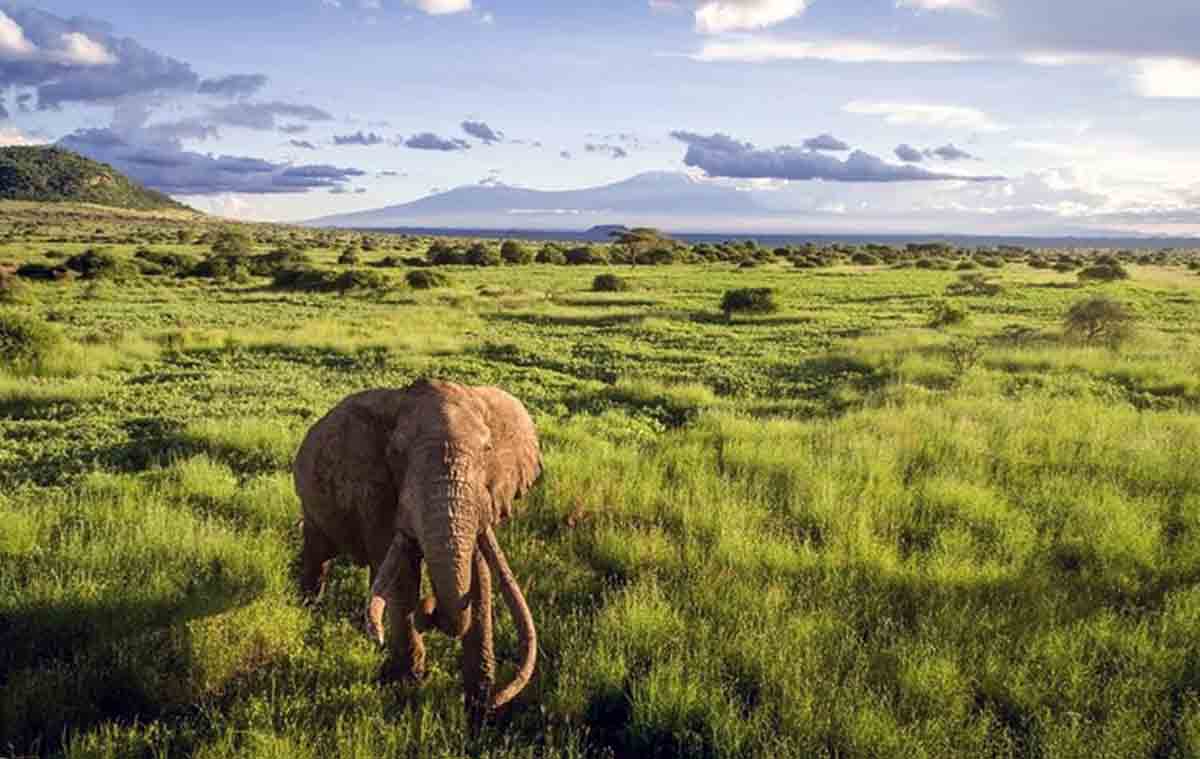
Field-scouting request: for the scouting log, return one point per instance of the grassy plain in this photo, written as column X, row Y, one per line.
column 801, row 534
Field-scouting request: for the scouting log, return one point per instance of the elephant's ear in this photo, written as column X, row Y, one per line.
column 516, row 461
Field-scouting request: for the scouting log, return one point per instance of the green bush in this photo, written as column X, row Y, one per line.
column 609, row 283
column 234, row 268
column 749, row 300
column 94, row 264
column 167, row 262
column 584, row 255
column 975, row 284
column 551, row 254
column 1099, row 320
column 349, row 257
column 24, row 341
column 12, row 288
column 946, row 314
column 865, row 259
column 1110, row 271
column 232, row 242
column 482, row 254
column 514, row 252
column 424, row 279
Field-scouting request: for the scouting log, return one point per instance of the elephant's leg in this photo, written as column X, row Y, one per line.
column 406, row 649
column 478, row 655
column 316, row 555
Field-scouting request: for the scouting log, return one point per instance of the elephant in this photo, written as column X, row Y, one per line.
column 390, row 477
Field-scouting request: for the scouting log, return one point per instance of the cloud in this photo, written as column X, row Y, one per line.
column 293, row 128
column 358, row 138
column 441, row 7
column 824, row 142
column 981, row 7
column 1167, row 78
column 264, row 116
column 164, row 165
column 302, row 144
column 481, row 131
column 766, row 49
column 924, row 114
column 614, row 151
column 79, row 60
column 948, row 152
column 11, row 136
column 909, row 154
column 564, row 154
column 430, row 141
column 722, row 156
column 718, row 16
column 233, row 86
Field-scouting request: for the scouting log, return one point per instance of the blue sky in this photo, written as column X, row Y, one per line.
column 1079, row 114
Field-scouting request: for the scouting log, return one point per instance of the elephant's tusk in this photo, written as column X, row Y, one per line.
column 526, row 632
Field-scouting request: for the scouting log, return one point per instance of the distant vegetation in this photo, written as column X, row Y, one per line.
column 54, row 175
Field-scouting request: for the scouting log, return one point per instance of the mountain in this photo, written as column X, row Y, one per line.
column 654, row 199
column 54, row 175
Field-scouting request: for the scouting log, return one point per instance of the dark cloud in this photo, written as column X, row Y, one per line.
column 264, row 116
column 825, row 142
column 1158, row 28
column 481, row 131
column 358, row 138
column 164, row 165
column 950, row 153
column 79, row 60
column 614, row 151
column 234, row 86
column 909, row 154
column 302, row 144
column 722, row 156
column 391, row 173
column 430, row 141
column 564, row 154
column 293, row 128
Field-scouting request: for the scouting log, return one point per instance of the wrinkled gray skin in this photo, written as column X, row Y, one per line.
column 393, row 477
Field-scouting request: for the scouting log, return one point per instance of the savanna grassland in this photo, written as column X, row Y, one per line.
column 833, row 529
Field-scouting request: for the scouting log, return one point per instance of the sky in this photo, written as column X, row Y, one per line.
column 990, row 116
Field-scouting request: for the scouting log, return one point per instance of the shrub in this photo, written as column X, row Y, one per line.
column 863, row 258
column 424, row 279
column 946, row 314
column 975, row 284
column 231, row 242
column 482, row 254
column 349, row 257
column 43, row 272
column 442, row 253
column 167, row 262
column 94, row 264
column 25, row 342
column 514, row 252
column 282, row 258
column 227, row 267
column 585, row 254
column 965, row 354
column 303, row 278
column 1104, row 272
column 551, row 254
column 609, row 283
column 1099, row 320
column 749, row 300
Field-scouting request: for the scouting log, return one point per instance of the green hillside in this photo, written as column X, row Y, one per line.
column 54, row 175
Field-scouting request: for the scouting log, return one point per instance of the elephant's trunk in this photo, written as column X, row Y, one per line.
column 448, row 542
column 526, row 633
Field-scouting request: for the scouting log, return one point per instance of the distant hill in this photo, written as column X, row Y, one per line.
column 54, row 175
column 650, row 199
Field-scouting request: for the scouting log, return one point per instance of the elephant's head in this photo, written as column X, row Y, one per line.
column 463, row 455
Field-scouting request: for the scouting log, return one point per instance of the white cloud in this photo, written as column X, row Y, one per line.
column 924, row 114
column 760, row 50
column 75, row 48
column 1167, row 78
column 442, row 7
column 982, row 7
column 81, row 50
column 717, row 16
column 13, row 43
column 10, row 136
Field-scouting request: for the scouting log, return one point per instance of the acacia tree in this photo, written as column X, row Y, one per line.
column 1099, row 320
